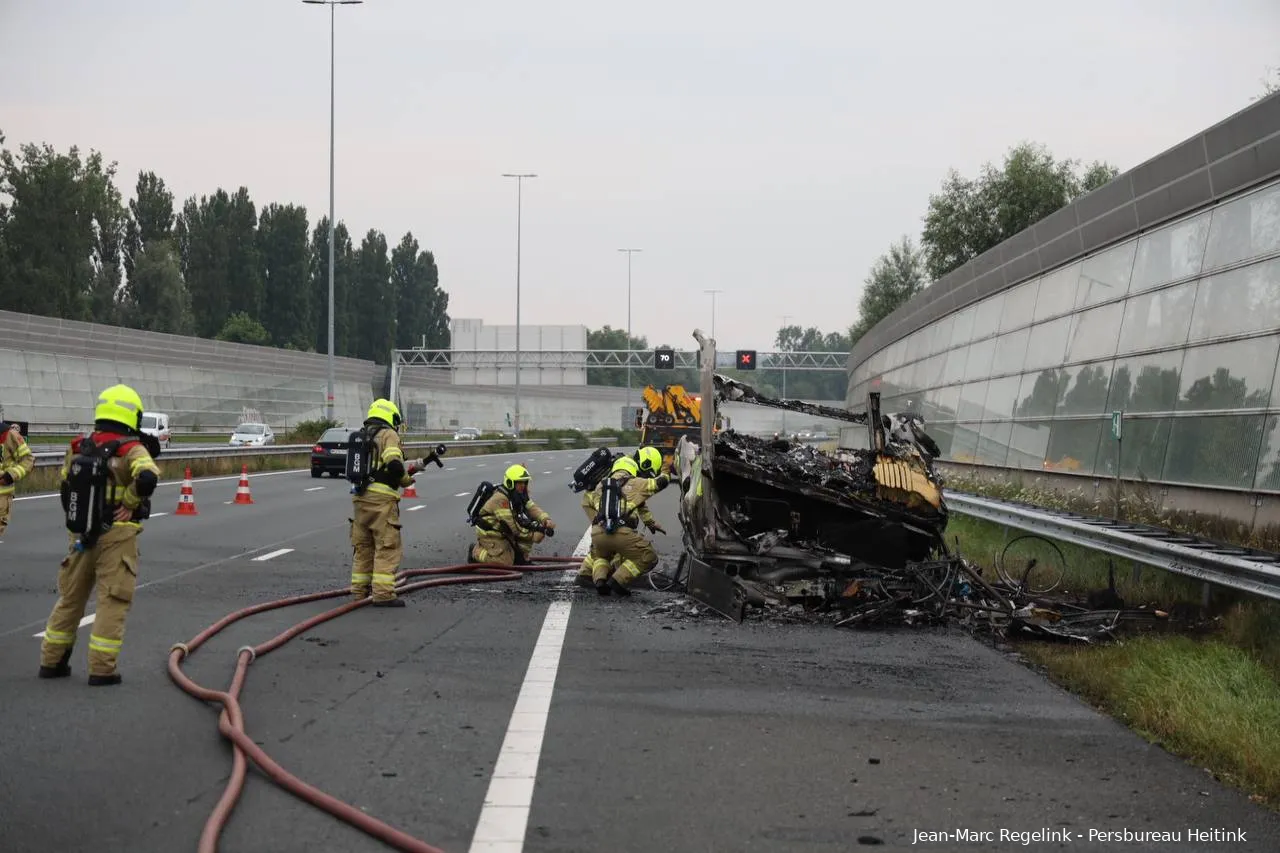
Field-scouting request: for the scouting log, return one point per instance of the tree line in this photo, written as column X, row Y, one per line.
column 219, row 266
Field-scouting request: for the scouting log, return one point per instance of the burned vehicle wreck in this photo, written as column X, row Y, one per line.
column 779, row 521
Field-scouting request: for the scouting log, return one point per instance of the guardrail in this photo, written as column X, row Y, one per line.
column 51, row 458
column 1244, row 569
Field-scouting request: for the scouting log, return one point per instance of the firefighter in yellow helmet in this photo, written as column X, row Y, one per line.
column 16, row 462
column 377, row 547
column 649, row 464
column 510, row 523
column 115, row 464
column 624, row 540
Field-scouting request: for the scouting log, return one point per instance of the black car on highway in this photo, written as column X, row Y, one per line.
column 330, row 453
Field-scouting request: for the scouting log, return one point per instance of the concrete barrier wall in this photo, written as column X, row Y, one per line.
column 52, row 370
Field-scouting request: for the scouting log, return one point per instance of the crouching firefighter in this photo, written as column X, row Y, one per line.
column 377, row 470
column 508, row 523
column 107, row 482
column 16, row 462
column 615, row 531
column 598, row 465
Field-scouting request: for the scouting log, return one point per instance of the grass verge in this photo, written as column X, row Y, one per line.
column 1212, row 699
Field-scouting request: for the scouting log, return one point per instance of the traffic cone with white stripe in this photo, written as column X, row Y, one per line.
column 187, row 500
column 411, row 490
column 242, row 491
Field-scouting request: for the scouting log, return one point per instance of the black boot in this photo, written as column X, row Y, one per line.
column 602, row 587
column 105, row 680
column 390, row 602
column 584, row 581
column 618, row 589
column 61, row 670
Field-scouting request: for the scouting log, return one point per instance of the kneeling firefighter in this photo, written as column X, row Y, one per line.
column 107, row 482
column 377, row 469
column 508, row 523
column 649, row 464
column 615, row 533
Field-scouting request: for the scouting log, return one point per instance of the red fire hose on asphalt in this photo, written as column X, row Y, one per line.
column 231, row 720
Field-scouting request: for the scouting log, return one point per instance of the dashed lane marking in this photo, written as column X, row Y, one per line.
column 313, row 489
column 461, row 494
column 416, row 508
column 85, row 621
column 272, row 555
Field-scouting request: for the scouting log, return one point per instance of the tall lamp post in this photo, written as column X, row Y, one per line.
column 786, row 318
column 329, row 403
column 519, row 205
column 629, row 252
column 713, row 310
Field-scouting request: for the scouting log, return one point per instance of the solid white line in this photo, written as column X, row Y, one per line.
column 313, row 489
column 272, row 555
column 504, row 819
column 85, row 621
column 415, row 508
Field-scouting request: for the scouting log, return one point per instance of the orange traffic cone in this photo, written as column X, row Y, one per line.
column 187, row 500
column 411, row 490
column 242, row 491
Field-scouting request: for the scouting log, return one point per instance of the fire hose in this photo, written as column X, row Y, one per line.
column 231, row 719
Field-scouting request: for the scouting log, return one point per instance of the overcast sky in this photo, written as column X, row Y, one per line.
column 769, row 150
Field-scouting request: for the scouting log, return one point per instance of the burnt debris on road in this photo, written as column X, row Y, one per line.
column 854, row 534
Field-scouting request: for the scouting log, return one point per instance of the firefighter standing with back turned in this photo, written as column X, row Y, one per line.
column 500, row 535
column 105, row 555
column 375, row 524
column 637, row 553
column 16, row 462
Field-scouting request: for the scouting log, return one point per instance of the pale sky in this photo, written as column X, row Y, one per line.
column 769, row 150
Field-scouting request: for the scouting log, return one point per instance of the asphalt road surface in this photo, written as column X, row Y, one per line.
column 536, row 716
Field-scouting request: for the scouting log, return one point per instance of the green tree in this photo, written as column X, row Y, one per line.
column 968, row 217
column 896, row 276
column 286, row 268
column 57, row 263
column 205, row 250
column 343, row 269
column 240, row 328
column 244, row 263
column 422, row 307
column 151, row 218
column 375, row 326
column 155, row 297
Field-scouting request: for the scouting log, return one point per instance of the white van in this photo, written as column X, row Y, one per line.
column 157, row 424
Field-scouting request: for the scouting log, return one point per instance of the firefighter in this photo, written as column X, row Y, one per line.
column 106, row 558
column 16, row 462
column 636, row 553
column 510, row 523
column 649, row 461
column 377, row 547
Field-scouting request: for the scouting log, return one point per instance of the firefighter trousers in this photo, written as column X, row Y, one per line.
column 6, row 507
column 635, row 555
column 377, row 546
column 110, row 566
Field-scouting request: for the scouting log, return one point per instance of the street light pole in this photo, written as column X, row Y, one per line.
column 785, row 319
column 629, row 252
column 713, row 310
column 329, row 401
column 519, row 206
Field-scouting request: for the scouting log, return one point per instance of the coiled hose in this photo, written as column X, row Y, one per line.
column 231, row 720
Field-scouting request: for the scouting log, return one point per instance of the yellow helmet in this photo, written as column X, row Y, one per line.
column 515, row 474
column 120, row 404
column 650, row 461
column 626, row 463
column 385, row 410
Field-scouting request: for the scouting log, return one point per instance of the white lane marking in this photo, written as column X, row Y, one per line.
column 504, row 818
column 451, row 469
column 158, row 514
column 568, row 467
column 416, row 508
column 313, row 489
column 481, row 465
column 461, row 494
column 546, row 472
column 85, row 621
column 271, row 556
